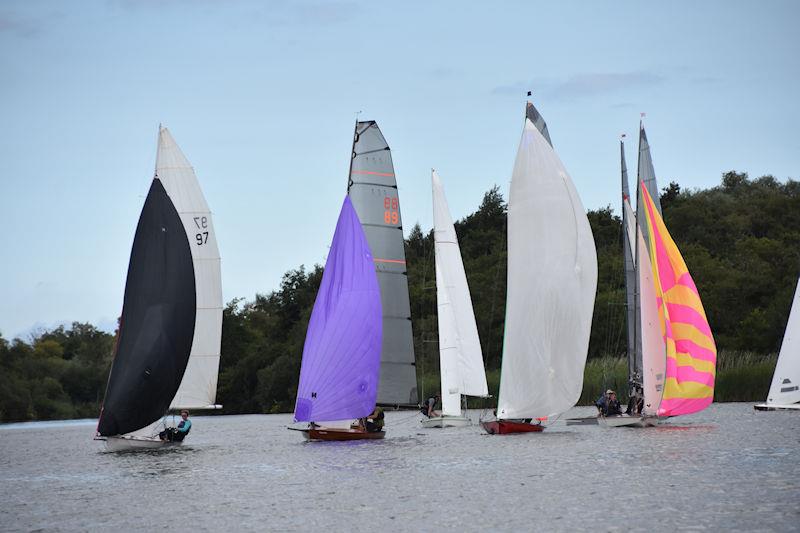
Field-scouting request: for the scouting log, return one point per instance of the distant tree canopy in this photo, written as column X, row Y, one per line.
column 740, row 240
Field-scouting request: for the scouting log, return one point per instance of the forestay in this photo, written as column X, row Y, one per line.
column 552, row 278
column 785, row 387
column 373, row 191
column 341, row 355
column 199, row 386
column 460, row 356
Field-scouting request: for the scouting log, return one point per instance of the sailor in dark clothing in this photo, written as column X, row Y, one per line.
column 608, row 405
column 179, row 433
column 374, row 422
column 428, row 405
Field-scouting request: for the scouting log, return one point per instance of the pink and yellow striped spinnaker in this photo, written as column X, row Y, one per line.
column 691, row 352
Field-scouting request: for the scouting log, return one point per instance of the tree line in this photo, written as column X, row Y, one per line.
column 740, row 240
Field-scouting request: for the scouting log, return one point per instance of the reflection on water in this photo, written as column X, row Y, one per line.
column 725, row 468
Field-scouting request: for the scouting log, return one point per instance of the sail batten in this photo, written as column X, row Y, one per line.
column 552, row 279
column 372, row 188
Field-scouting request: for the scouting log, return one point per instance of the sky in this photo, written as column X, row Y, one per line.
column 262, row 96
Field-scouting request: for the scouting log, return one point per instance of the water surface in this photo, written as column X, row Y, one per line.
column 728, row 467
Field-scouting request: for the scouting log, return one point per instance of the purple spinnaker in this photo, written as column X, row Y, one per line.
column 342, row 353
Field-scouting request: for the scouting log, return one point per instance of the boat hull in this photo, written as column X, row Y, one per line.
column 340, row 434
column 126, row 444
column 775, row 407
column 446, row 422
column 627, row 421
column 506, row 427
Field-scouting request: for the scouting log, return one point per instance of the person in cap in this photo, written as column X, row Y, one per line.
column 608, row 405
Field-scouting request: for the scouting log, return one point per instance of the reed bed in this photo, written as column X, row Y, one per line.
column 741, row 377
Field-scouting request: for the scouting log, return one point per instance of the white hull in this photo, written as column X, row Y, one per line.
column 627, row 421
column 125, row 444
column 776, row 407
column 446, row 422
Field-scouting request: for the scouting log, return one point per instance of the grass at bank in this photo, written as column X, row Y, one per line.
column 741, row 377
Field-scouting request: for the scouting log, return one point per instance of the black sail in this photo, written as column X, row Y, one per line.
column 158, row 318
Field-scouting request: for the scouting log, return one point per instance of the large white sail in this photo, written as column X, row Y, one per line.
column 785, row 387
column 198, row 388
column 552, row 279
column 460, row 356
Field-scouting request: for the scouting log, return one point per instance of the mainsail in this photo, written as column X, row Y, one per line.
column 341, row 355
column 785, row 387
column 552, row 279
column 157, row 323
column 690, row 350
column 199, row 386
column 460, row 356
column 373, row 191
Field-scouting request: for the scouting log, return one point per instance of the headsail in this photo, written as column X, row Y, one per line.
column 552, row 279
column 460, row 356
column 158, row 320
column 628, row 247
column 373, row 191
column 785, row 387
column 690, row 350
column 341, row 355
column 199, row 386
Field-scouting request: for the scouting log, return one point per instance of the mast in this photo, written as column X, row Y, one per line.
column 630, row 272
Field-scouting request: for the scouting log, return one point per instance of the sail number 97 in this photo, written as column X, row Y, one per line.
column 391, row 215
column 202, row 236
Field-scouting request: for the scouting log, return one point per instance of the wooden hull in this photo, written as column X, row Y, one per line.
column 506, row 427
column 776, row 407
column 337, row 434
column 446, row 422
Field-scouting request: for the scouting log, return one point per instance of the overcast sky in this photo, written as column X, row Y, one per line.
column 261, row 97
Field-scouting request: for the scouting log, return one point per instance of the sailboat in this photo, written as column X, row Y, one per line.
column 671, row 350
column 460, row 357
column 784, row 392
column 372, row 189
column 342, row 352
column 168, row 344
column 552, row 280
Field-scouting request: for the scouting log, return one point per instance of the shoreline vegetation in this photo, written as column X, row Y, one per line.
column 740, row 239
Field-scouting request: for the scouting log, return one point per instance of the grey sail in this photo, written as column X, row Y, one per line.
column 373, row 192
column 646, row 172
column 532, row 114
column 634, row 362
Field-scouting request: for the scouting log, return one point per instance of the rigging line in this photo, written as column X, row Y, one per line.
column 370, row 151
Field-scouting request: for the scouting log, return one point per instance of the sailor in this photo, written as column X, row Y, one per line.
column 428, row 405
column 179, row 433
column 608, row 405
column 374, row 422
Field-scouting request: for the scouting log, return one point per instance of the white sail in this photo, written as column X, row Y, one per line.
column 460, row 356
column 198, row 388
column 785, row 387
column 552, row 279
column 654, row 351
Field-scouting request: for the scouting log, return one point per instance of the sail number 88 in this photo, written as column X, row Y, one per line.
column 391, row 214
column 201, row 223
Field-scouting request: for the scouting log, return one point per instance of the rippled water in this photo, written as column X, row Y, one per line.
column 725, row 468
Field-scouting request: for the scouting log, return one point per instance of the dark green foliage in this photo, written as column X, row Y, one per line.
column 740, row 240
